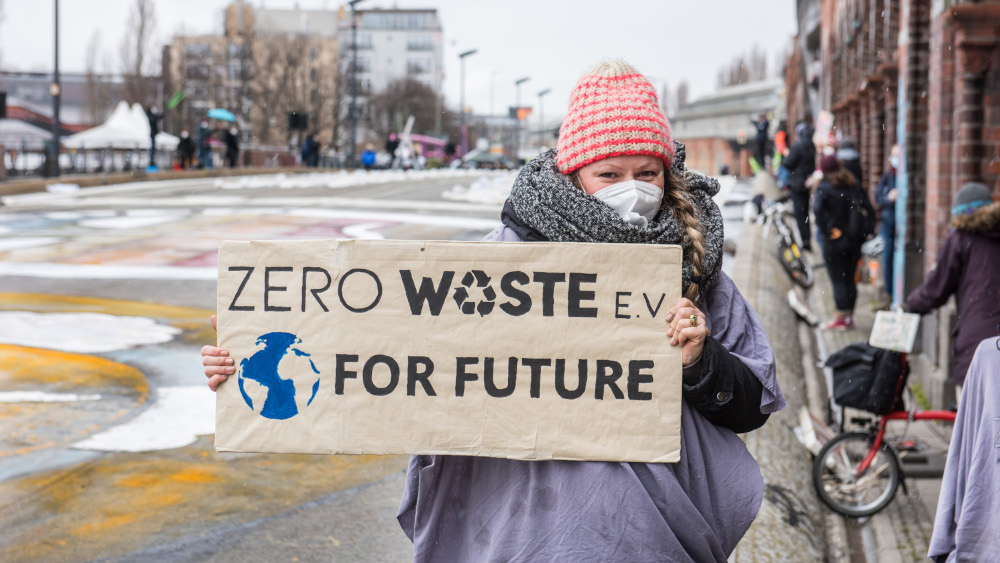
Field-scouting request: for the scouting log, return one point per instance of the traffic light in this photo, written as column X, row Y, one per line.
column 298, row 121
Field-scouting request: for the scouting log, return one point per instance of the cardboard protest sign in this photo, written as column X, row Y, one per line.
column 516, row 350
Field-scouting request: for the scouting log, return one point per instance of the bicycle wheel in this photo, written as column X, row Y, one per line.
column 794, row 262
column 842, row 488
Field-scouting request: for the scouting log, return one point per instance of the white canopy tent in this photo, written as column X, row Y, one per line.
column 127, row 128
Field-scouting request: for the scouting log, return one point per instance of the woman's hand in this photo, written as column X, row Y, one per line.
column 687, row 329
column 218, row 365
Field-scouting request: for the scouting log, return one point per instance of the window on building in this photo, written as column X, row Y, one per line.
column 419, row 43
column 418, row 65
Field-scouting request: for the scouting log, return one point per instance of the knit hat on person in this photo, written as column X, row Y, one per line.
column 972, row 196
column 613, row 111
column 829, row 164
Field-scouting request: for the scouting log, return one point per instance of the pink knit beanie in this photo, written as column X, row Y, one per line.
column 613, row 111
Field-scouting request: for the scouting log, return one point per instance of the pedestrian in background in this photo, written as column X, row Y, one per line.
column 310, row 151
column 232, row 147
column 616, row 177
column 885, row 198
column 801, row 162
column 761, row 139
column 203, row 137
column 967, row 525
column 847, row 154
column 968, row 267
column 185, row 149
column 835, row 206
column 368, row 157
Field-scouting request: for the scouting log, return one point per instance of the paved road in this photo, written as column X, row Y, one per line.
column 105, row 424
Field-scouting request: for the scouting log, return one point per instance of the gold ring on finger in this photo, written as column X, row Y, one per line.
column 694, row 320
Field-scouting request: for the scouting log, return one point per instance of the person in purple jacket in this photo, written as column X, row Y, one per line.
column 616, row 176
column 968, row 267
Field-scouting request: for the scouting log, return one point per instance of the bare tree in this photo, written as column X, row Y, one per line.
column 745, row 67
column 1, row 25
column 98, row 87
column 279, row 84
column 665, row 100
column 390, row 108
column 137, row 55
column 682, row 94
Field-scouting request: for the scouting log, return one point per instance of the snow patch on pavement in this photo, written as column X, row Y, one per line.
column 84, row 333
column 486, row 189
column 26, row 242
column 43, row 397
column 175, row 420
column 335, row 180
column 106, row 272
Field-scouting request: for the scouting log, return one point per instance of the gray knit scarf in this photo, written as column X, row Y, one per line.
column 545, row 205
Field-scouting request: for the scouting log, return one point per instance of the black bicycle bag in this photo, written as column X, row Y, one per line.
column 868, row 378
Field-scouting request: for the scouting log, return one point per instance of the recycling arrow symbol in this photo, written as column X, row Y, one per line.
column 479, row 279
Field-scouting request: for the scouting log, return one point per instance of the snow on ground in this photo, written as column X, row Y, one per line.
column 176, row 419
column 84, row 333
column 43, row 397
column 490, row 188
column 337, row 180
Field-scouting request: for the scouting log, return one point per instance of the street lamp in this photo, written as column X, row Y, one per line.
column 517, row 116
column 541, row 120
column 461, row 101
column 54, row 89
column 354, row 83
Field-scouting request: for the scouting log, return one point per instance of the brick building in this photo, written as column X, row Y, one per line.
column 717, row 128
column 921, row 73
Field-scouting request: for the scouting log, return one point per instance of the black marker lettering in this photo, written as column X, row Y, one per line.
column 608, row 372
column 549, row 281
column 576, row 295
column 315, row 292
column 249, row 270
column 268, row 288
column 414, row 374
column 637, row 377
column 523, row 299
column 433, row 296
column 369, row 377
column 342, row 373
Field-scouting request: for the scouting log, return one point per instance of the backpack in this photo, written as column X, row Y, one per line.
column 867, row 378
column 862, row 220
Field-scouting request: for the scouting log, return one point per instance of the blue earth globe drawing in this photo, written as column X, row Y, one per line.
column 279, row 378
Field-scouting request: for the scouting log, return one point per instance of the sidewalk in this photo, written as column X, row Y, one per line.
column 902, row 531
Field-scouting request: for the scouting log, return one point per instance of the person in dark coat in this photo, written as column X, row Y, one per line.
column 968, row 267
column 801, row 162
column 761, row 139
column 885, row 197
column 232, row 147
column 203, row 137
column 849, row 158
column 185, row 149
column 310, row 151
column 833, row 204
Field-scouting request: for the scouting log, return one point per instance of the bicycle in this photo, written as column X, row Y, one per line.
column 857, row 473
column 780, row 217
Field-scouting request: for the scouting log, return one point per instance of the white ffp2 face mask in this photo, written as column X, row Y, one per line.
column 635, row 202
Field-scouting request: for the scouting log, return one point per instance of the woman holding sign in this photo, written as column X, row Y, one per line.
column 617, row 176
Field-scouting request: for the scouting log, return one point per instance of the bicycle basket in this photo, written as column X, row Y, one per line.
column 868, row 378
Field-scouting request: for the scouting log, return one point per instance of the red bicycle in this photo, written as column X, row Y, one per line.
column 857, row 473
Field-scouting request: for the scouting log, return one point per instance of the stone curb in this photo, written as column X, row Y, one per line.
column 790, row 525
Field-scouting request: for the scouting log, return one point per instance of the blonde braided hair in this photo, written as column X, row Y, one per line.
column 693, row 242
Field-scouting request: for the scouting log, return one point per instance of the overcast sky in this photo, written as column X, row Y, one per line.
column 551, row 41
